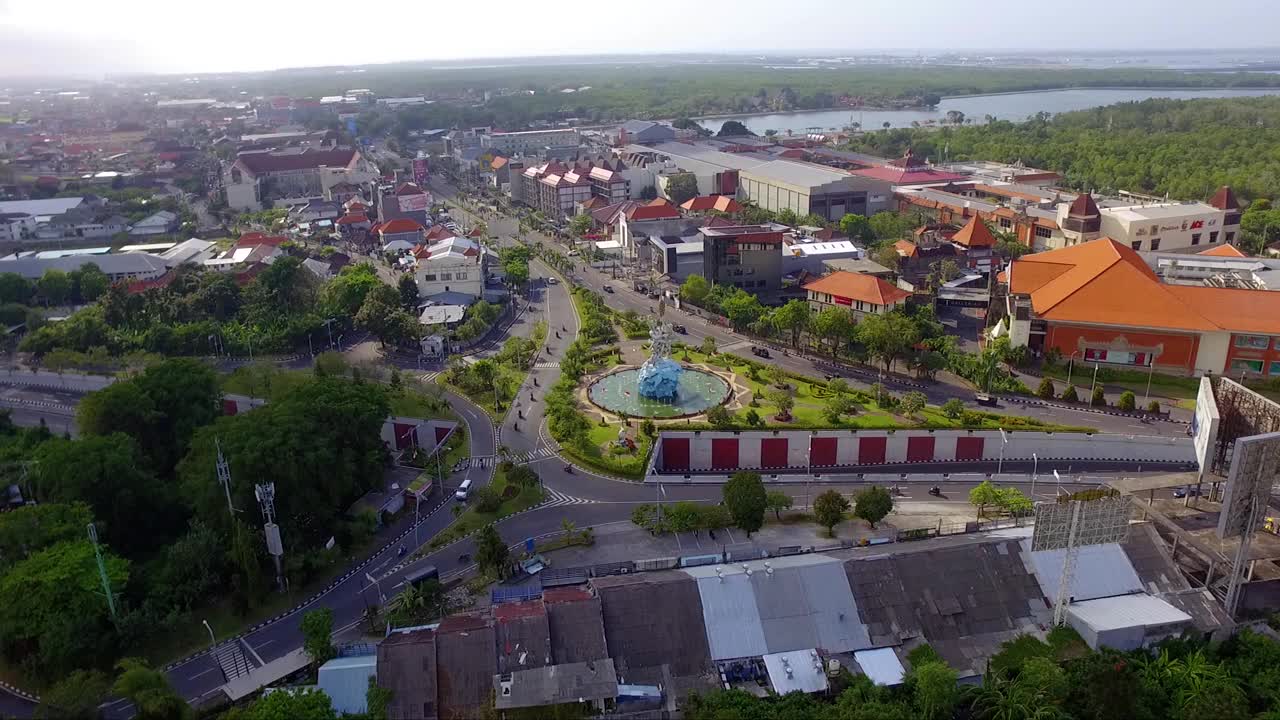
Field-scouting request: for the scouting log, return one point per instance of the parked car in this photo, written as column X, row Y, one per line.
column 680, row 329
column 552, row 281
column 759, row 351
column 608, row 289
column 1188, row 490
column 985, row 400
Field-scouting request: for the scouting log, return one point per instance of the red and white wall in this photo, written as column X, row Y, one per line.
column 801, row 450
column 399, row 433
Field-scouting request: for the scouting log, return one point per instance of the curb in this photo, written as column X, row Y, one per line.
column 1086, row 408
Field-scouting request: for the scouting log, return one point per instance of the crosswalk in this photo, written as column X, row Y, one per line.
column 555, row 499
column 486, row 461
column 429, row 376
column 547, row 365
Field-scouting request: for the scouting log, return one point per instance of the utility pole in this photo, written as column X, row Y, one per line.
column 102, row 572
column 266, row 494
column 328, row 324
column 224, row 478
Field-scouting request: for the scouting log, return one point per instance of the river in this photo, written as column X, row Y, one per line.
column 1007, row 106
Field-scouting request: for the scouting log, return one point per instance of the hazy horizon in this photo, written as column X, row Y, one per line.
column 65, row 37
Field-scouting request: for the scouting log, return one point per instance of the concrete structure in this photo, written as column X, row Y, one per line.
column 453, row 265
column 256, row 179
column 1100, row 302
column 909, row 170
column 643, row 132
column 530, row 142
column 744, row 256
column 808, row 188
column 592, row 682
column 407, row 201
column 812, row 257
column 1127, row 622
column 861, row 294
column 558, row 188
column 346, row 681
column 790, row 451
column 161, row 223
column 117, row 267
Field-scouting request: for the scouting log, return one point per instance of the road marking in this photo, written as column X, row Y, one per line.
column 252, row 652
column 559, row 499
column 201, row 673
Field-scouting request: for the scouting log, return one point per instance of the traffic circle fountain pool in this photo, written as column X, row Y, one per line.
column 696, row 391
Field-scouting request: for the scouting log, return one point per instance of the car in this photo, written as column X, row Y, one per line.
column 608, row 289
column 1185, row 491
column 552, row 281
column 680, row 329
column 985, row 400
column 759, row 351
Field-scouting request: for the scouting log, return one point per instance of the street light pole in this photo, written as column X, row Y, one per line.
column 1146, row 398
column 212, row 640
column 1094, row 385
column 1004, row 440
column 1035, row 471
column 1071, row 365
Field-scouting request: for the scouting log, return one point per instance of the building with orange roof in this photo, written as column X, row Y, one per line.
column 1100, row 302
column 712, row 203
column 1223, row 251
column 863, row 294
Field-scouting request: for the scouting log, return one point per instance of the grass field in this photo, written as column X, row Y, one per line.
column 269, row 382
column 471, row 519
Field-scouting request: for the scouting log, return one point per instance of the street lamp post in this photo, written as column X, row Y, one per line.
column 212, row 640
column 1094, row 385
column 1004, row 440
column 1146, row 397
column 1071, row 365
column 1035, row 471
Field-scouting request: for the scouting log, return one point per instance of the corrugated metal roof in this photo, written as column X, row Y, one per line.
column 797, row 670
column 1100, row 571
column 881, row 665
column 1127, row 611
column 731, row 616
column 346, row 681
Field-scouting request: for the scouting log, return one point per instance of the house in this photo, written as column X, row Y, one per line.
column 1101, row 302
column 319, row 268
column 317, row 210
column 860, row 293
column 256, row 179
column 399, row 234
column 454, row 265
column 975, row 244
column 194, row 251
column 712, row 203
column 160, row 223
column 117, row 267
column 407, row 201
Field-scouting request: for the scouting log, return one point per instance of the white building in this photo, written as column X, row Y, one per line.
column 530, row 141
column 451, row 266
column 256, row 179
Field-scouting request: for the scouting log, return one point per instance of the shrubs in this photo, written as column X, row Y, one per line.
column 1046, row 391
column 1099, row 398
column 1153, row 406
column 953, row 408
column 1127, row 402
column 1070, row 394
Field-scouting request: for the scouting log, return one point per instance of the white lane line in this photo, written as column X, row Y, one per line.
column 201, row 673
column 253, row 652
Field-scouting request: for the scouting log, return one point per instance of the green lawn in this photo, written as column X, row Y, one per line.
column 1170, row 387
column 486, row 399
column 471, row 519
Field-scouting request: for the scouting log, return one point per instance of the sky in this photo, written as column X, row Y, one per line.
column 93, row 37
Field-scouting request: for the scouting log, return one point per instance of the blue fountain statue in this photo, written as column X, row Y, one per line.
column 660, row 375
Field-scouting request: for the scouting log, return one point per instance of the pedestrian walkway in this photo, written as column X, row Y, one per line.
column 485, row 461
column 555, row 499
column 547, row 365
column 429, row 377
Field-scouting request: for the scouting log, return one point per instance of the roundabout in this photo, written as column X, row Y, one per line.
column 695, row 392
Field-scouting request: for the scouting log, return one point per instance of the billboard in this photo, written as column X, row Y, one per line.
column 1255, row 463
column 420, row 171
column 1204, row 425
column 414, row 203
column 1103, row 519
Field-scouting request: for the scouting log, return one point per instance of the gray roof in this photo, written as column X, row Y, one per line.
column 805, row 175
column 523, row 636
column 52, row 206
column 864, row 266
column 576, row 625
column 1127, row 611
column 318, row 267
column 466, row 665
column 114, row 264
column 407, row 667
column 654, row 619
column 793, row 603
column 163, row 218
column 556, row 684
column 1100, row 571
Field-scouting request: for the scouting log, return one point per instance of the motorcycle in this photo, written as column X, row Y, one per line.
column 400, row 553
column 935, row 491
column 568, row 469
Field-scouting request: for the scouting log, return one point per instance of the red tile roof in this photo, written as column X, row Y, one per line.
column 254, row 239
column 1223, row 251
column 409, row 189
column 975, row 234
column 903, row 176
column 706, row 203
column 857, row 286
column 1084, row 206
column 352, row 219
column 399, row 225
column 439, row 232
column 657, row 209
column 1225, row 199
column 906, row 249
column 498, row 163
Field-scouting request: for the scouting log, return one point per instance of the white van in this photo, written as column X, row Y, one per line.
column 463, row 490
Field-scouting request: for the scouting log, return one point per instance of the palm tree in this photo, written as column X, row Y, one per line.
column 568, row 527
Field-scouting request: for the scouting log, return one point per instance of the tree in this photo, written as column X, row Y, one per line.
column 708, row 346
column 829, row 509
column 378, row 313
column 694, row 289
column 75, row 697
column 580, row 225
column 888, row 336
column 1046, row 389
column 1013, row 501
column 777, row 501
column 953, row 408
column 682, row 187
column 93, row 282
column 149, row 690
column 54, row 286
column 492, row 554
column 648, row 428
column 29, row 529
column 344, row 294
column 834, row 324
column 745, row 497
column 14, row 289
column 948, row 270
column 983, row 495
column 719, row 417
column 872, row 504
column 936, row 692
column 1127, row 402
column 1099, row 398
column 408, row 288
column 783, row 399
column 1070, row 394
column 742, row 308
column 733, row 128
column 912, row 403
column 317, row 635
column 788, row 217
column 836, row 407
column 857, row 227
column 293, row 704
column 793, row 318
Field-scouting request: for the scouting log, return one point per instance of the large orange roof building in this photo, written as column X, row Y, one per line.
column 1100, row 302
